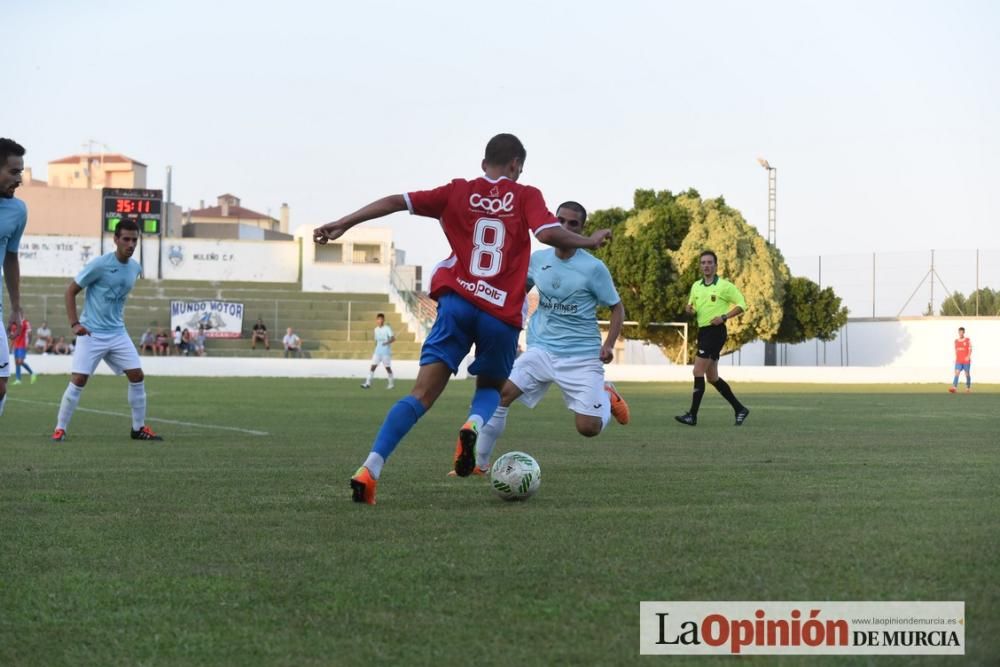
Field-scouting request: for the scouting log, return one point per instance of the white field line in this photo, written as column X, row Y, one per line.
column 152, row 419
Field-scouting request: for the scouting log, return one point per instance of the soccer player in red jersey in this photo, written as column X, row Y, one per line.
column 480, row 291
column 19, row 343
column 963, row 361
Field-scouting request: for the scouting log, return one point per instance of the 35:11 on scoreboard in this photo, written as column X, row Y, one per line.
column 141, row 205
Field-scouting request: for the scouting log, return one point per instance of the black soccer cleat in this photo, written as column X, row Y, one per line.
column 465, row 454
column 687, row 418
column 145, row 433
column 741, row 415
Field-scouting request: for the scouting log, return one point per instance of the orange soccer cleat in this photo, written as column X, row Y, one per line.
column 619, row 408
column 363, row 486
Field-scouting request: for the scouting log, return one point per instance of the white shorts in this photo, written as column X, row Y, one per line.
column 4, row 355
column 116, row 350
column 581, row 380
column 384, row 359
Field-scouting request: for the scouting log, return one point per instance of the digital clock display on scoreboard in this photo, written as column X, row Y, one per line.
column 142, row 206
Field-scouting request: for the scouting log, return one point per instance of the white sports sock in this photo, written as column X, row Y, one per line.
column 606, row 411
column 374, row 463
column 3, row 402
column 68, row 404
column 137, row 401
column 488, row 436
column 371, row 376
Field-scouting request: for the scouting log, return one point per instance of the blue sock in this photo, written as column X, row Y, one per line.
column 27, row 368
column 398, row 422
column 17, row 373
column 484, row 404
column 954, row 382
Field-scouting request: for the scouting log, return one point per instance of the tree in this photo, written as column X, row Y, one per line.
column 810, row 312
column 654, row 260
column 957, row 304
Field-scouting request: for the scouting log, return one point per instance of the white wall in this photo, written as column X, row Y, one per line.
column 183, row 259
column 225, row 259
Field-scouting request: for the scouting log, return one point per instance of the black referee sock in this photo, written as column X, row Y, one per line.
column 699, row 391
column 727, row 393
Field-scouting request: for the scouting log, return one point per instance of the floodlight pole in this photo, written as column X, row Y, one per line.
column 770, row 348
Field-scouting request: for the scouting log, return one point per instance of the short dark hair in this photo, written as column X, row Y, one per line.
column 961, row 328
column 382, row 315
column 708, row 252
column 126, row 225
column 575, row 206
column 503, row 148
column 10, row 147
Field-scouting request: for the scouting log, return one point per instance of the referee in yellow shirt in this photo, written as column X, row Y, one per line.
column 713, row 300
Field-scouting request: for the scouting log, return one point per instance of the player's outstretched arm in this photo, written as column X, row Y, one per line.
column 558, row 237
column 74, row 321
column 377, row 209
column 614, row 330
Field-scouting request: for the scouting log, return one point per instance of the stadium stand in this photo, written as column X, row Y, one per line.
column 332, row 326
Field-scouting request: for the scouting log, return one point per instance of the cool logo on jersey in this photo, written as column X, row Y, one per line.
column 492, row 205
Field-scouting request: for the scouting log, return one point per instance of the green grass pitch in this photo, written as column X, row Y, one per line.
column 226, row 547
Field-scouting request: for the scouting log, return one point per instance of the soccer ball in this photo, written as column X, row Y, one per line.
column 515, row 476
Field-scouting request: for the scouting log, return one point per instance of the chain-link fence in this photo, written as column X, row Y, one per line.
column 895, row 284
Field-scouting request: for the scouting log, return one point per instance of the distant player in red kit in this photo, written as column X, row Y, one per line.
column 480, row 291
column 963, row 361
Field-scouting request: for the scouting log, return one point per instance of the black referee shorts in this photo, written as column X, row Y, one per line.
column 710, row 341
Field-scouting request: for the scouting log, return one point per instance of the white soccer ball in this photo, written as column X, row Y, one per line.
column 515, row 476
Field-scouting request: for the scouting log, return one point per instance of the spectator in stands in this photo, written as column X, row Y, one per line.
column 199, row 341
column 43, row 339
column 259, row 333
column 162, row 343
column 187, row 342
column 177, row 340
column 147, row 342
column 61, row 346
column 293, row 344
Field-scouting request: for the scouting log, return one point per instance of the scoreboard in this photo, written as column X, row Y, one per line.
column 141, row 205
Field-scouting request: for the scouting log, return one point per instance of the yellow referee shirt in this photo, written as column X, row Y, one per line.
column 714, row 299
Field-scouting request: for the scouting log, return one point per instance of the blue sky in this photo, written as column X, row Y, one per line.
column 883, row 118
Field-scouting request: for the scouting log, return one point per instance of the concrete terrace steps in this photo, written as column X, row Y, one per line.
column 320, row 319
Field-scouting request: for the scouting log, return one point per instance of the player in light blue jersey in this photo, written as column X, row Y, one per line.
column 564, row 341
column 13, row 219
column 384, row 338
column 100, row 331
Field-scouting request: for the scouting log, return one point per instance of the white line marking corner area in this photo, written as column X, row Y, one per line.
column 152, row 419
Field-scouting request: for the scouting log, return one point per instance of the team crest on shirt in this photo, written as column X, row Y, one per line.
column 556, row 284
column 713, row 297
column 495, row 191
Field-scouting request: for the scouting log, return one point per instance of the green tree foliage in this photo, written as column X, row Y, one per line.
column 810, row 312
column 654, row 261
column 959, row 305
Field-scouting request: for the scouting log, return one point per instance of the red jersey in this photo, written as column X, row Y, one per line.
column 963, row 350
column 20, row 341
column 487, row 224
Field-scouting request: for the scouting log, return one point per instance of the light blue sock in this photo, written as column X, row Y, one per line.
column 398, row 422
column 954, row 383
column 484, row 404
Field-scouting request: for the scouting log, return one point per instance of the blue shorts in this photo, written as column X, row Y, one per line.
column 458, row 326
column 20, row 353
column 962, row 367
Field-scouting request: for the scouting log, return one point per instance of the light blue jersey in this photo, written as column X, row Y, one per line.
column 107, row 281
column 383, row 335
column 569, row 292
column 13, row 219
